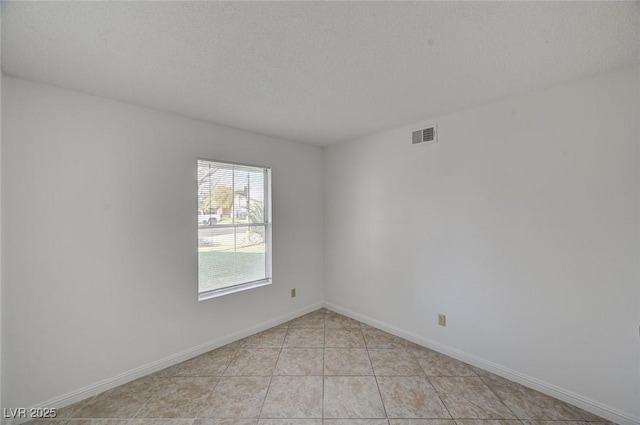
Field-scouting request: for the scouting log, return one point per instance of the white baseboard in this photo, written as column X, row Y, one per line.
column 570, row 397
column 595, row 407
column 133, row 374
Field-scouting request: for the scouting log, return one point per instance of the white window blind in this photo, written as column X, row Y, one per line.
column 234, row 227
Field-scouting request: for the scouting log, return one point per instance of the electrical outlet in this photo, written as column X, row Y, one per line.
column 293, row 293
column 442, row 320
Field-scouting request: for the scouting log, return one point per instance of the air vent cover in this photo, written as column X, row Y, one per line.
column 426, row 135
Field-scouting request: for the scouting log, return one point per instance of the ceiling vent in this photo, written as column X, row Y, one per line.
column 426, row 135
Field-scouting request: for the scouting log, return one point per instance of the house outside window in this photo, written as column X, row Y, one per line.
column 234, row 227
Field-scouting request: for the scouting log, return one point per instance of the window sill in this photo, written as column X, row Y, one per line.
column 232, row 289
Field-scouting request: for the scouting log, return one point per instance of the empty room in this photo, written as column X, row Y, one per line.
column 320, row 213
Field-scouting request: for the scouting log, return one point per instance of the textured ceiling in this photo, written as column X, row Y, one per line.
column 315, row 72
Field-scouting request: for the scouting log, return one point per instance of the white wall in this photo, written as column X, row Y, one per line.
column 521, row 225
column 99, row 238
column 1, row 280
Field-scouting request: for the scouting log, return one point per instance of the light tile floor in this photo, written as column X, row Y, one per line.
column 322, row 368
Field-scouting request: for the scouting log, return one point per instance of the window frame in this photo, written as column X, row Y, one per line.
column 268, row 280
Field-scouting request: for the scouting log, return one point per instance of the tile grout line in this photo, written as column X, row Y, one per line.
column 440, row 398
column 231, row 361
column 375, row 377
column 140, row 409
column 210, row 394
column 324, row 347
column 271, row 377
column 433, row 386
column 261, row 345
column 501, row 400
column 81, row 405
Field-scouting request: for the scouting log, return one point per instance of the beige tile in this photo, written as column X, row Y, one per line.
column 282, row 326
column 68, row 411
column 271, row 338
column 530, row 404
column 482, row 372
column 236, row 397
column 294, row 397
column 376, row 338
column 469, row 397
column 352, row 397
column 491, row 422
column 50, row 421
column 394, row 362
column 593, row 418
column 436, row 364
column 344, row 338
column 213, row 363
column 300, row 361
column 57, row 421
column 158, row 421
column 178, row 398
column 298, row 395
column 167, row 372
column 304, row 337
column 231, row 346
column 121, row 402
column 311, row 320
column 421, row 422
column 335, row 320
column 590, row 417
column 347, row 361
column 411, row 346
column 529, row 422
column 253, row 362
column 410, row 397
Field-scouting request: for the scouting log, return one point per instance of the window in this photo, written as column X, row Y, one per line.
column 234, row 228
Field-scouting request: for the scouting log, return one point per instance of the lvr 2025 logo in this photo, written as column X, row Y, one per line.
column 33, row 413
